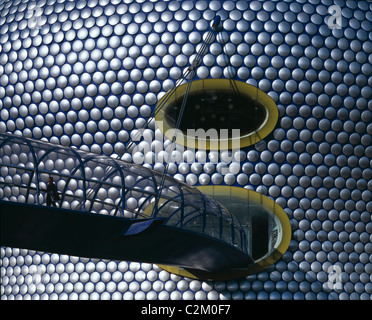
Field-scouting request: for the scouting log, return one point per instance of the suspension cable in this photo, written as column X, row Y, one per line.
column 189, row 71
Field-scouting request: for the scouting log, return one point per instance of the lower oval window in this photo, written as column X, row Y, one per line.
column 265, row 223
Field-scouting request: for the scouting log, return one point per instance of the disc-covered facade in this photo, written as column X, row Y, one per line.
column 88, row 75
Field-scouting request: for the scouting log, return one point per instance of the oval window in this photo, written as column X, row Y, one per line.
column 266, row 225
column 219, row 114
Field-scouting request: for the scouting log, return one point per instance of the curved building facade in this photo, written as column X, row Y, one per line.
column 88, row 74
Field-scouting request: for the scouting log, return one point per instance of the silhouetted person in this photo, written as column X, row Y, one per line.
column 52, row 193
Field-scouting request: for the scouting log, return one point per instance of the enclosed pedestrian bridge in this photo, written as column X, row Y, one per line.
column 112, row 209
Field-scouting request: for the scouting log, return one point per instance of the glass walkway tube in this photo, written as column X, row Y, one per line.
column 127, row 191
